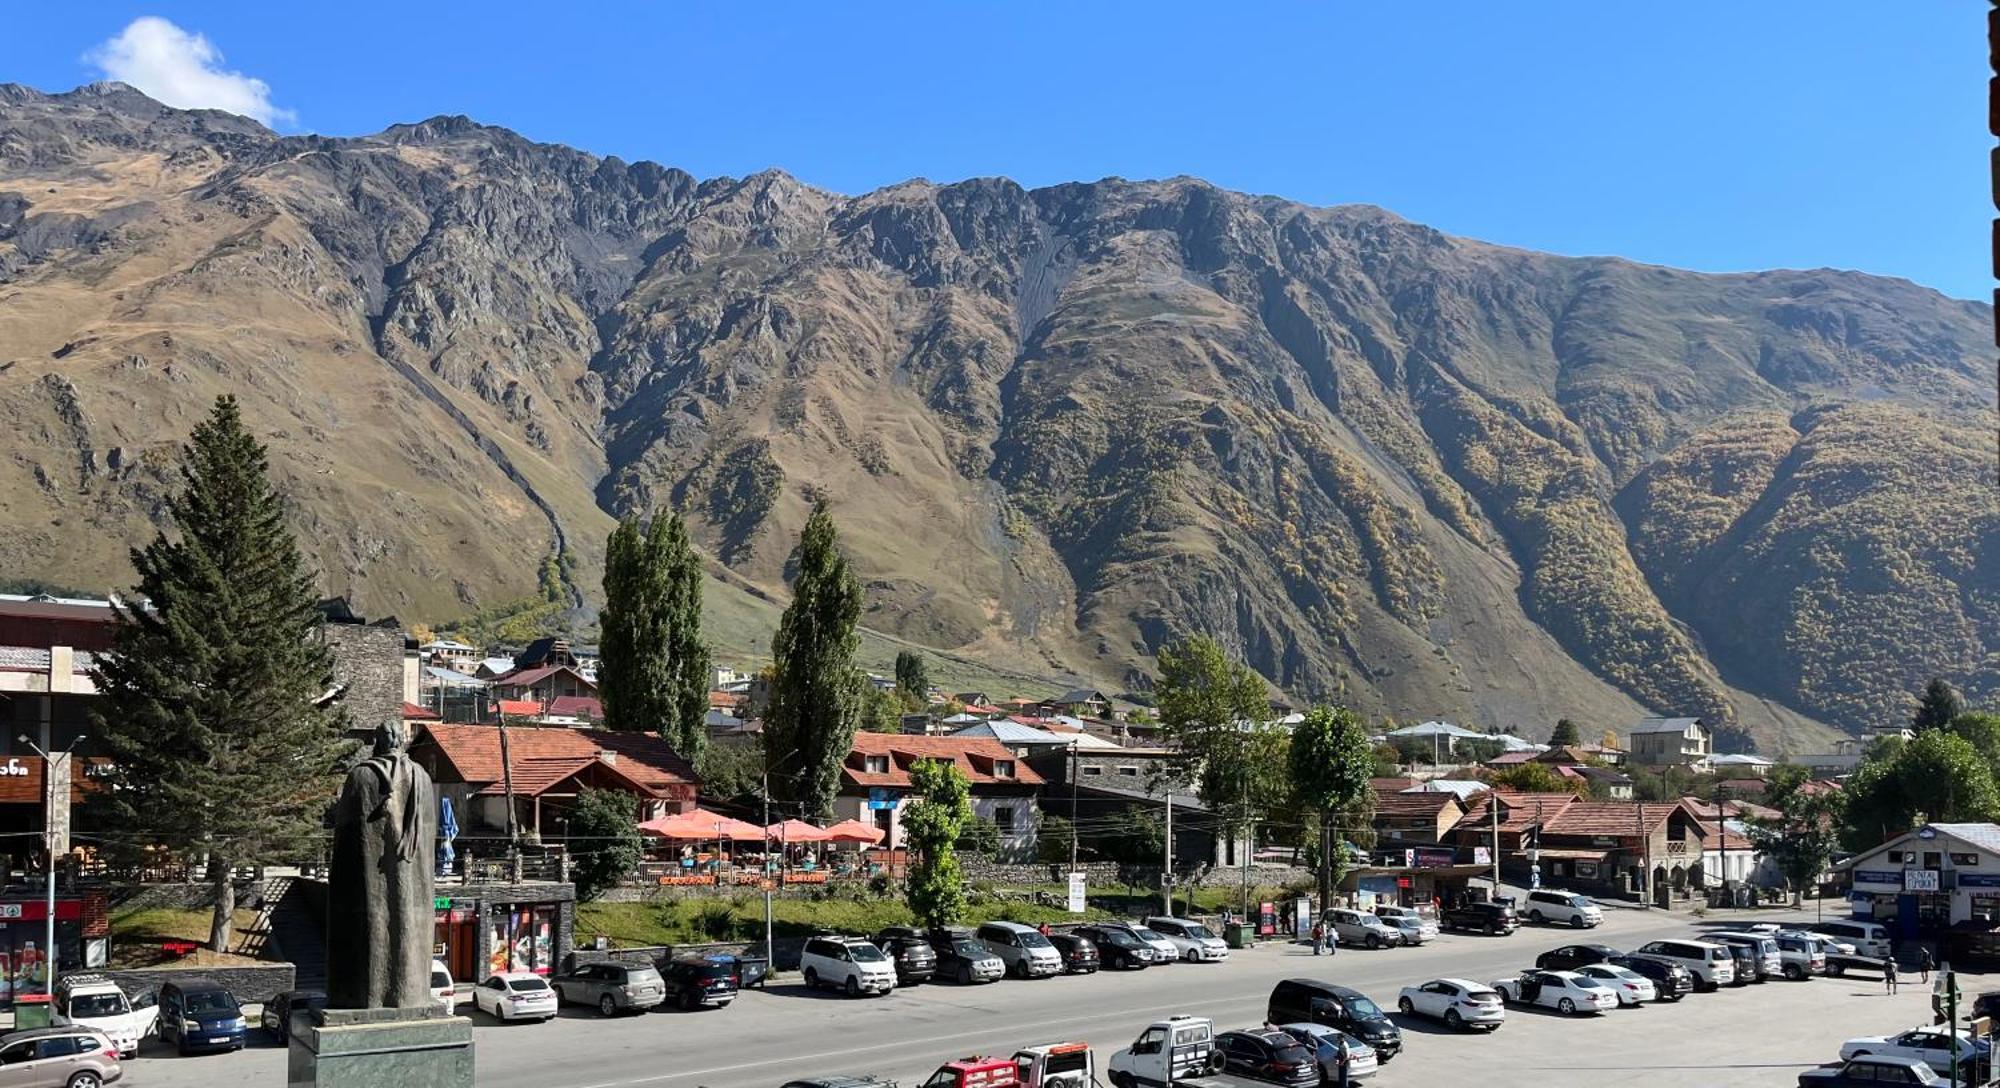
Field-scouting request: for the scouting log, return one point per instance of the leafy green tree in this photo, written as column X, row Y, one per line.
column 604, row 842
column 1135, row 836
column 689, row 664
column 1802, row 838
column 1531, row 778
column 1939, row 776
column 815, row 699
column 1566, row 732
column 881, row 711
column 932, row 825
column 1937, row 707
column 1330, row 762
column 213, row 705
column 1213, row 711
column 730, row 771
column 634, row 673
column 1982, row 731
column 913, row 677
column 1053, row 840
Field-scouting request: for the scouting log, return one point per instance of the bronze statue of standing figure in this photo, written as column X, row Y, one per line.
column 379, row 919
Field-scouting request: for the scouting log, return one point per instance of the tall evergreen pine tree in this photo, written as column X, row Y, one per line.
column 816, row 689
column 214, row 703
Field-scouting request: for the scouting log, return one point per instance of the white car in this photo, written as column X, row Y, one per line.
column 1190, row 939
column 94, row 1001
column 515, row 995
column 1710, row 964
column 1163, row 949
column 1553, row 907
column 1324, row 1042
column 1355, row 927
column 1415, row 927
column 847, row 963
column 1457, row 1002
column 1631, row 987
column 1930, row 1045
column 1565, row 991
column 442, row 987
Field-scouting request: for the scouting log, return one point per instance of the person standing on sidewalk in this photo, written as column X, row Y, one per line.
column 1924, row 964
column 1319, row 938
column 1342, row 1059
column 1889, row 974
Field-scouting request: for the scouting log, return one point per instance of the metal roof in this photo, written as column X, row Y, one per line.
column 1665, row 725
column 1438, row 729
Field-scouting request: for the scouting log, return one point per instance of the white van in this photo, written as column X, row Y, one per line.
column 94, row 1001
column 1023, row 949
column 847, row 963
column 1770, row 959
column 1712, row 965
column 1869, row 939
column 1566, row 908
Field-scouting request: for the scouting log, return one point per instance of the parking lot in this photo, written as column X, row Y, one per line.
column 1752, row 1036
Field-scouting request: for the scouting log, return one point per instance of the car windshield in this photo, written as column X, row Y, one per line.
column 526, row 985
column 1588, row 983
column 1120, row 939
column 1579, row 902
column 1147, row 934
column 439, row 980
column 1363, row 1009
column 211, row 1003
column 96, row 1005
column 865, row 953
column 1482, row 995
column 1196, row 930
column 1035, row 940
column 969, row 949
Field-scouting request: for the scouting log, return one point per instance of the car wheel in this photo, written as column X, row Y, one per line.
column 1188, row 955
column 1404, row 1006
column 812, row 979
column 561, row 998
column 85, row 1080
column 965, row 976
column 1566, row 1007
column 1794, row 972
column 1121, row 1080
column 1535, row 916
column 606, row 1006
column 1834, row 970
column 1492, row 930
column 687, row 1001
column 1860, row 1053
column 1454, row 1021
column 852, row 986
column 1577, row 922
column 1374, row 941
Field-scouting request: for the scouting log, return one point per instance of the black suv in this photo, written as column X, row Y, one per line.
column 1493, row 919
column 1117, row 947
column 1671, row 979
column 701, row 983
column 1572, row 956
column 1310, row 1001
column 915, row 960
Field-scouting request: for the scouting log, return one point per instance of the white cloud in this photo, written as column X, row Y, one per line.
column 183, row 70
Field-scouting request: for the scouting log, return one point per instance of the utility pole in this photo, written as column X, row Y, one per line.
column 1493, row 806
column 49, row 846
column 1645, row 841
column 1249, row 840
column 513, row 825
column 1722, row 843
column 1072, row 802
column 768, row 943
column 1167, row 874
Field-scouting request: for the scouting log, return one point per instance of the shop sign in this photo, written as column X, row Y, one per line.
column 1891, row 877
column 13, row 769
column 10, row 910
column 1920, row 880
column 1481, row 856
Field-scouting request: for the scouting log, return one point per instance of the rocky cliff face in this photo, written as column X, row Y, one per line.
column 1059, row 426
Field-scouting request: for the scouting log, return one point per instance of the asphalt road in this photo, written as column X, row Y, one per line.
column 1759, row 1035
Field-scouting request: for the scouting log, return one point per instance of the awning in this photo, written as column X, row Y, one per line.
column 1567, row 854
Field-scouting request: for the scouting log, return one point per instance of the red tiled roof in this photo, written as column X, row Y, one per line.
column 1512, row 759
column 518, row 708
column 975, row 708
column 1517, row 810
column 1414, row 804
column 577, row 706
column 726, row 699
column 533, row 777
column 975, row 756
column 414, row 713
column 1610, row 817
column 473, row 751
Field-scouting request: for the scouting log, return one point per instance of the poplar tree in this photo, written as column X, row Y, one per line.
column 816, row 686
column 913, row 678
column 217, row 705
column 653, row 671
column 687, row 651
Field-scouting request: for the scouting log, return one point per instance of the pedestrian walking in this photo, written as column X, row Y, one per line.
column 1924, row 964
column 1889, row 974
column 1319, row 938
column 1341, row 1060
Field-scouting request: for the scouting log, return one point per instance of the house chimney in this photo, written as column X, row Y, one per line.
column 608, row 756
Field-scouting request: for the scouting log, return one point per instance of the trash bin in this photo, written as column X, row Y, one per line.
column 752, row 970
column 31, row 1011
column 1238, row 934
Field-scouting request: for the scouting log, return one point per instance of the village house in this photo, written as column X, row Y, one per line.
column 1093, row 787
column 1658, row 742
column 1923, row 881
column 1079, row 702
column 543, row 684
column 449, row 654
column 875, row 785
column 550, row 767
column 1413, row 827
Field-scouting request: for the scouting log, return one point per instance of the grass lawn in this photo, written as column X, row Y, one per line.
column 138, row 932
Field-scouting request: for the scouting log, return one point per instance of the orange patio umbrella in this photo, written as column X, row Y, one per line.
column 798, row 831
column 700, row 824
column 854, row 831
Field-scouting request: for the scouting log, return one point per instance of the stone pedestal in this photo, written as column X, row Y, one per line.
column 373, row 1048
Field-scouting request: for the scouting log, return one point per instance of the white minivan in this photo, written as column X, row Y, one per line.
column 847, row 963
column 1023, row 949
column 1869, row 939
column 1712, row 965
column 1566, row 908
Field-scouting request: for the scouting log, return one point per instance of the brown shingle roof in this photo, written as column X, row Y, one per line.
column 1518, row 810
column 1611, row 817
column 975, row 756
column 474, row 752
column 1414, row 804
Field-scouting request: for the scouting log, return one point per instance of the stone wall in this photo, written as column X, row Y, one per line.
column 191, row 896
column 251, row 985
column 369, row 661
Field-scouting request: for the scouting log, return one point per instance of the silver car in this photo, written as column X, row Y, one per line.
column 612, row 988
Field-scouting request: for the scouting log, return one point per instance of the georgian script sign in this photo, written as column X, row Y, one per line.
column 1920, row 880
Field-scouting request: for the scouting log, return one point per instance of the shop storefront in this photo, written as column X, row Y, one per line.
column 1928, row 880
column 82, row 941
column 484, row 929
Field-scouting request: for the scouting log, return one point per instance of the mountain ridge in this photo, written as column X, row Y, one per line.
column 1060, row 424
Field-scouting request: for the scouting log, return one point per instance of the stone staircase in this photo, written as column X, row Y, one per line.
column 295, row 931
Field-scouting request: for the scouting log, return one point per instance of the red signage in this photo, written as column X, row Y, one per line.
column 37, row 910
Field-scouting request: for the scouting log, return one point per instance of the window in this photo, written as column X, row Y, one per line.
column 876, row 764
column 1090, row 772
column 1003, row 768
column 1129, row 770
column 1965, row 861
column 1895, row 857
column 1930, row 859
column 1003, row 817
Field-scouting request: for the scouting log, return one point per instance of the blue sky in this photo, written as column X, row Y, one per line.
column 1709, row 135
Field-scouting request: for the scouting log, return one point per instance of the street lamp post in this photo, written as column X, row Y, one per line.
column 49, row 848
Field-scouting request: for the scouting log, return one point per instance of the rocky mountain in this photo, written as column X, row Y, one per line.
column 1059, row 426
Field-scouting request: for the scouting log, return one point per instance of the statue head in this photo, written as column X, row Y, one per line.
column 391, row 737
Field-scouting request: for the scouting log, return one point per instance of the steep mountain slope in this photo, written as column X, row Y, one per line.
column 1059, row 426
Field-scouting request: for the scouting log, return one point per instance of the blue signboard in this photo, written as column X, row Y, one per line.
column 881, row 797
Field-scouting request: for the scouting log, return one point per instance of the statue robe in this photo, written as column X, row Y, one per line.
column 380, row 922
